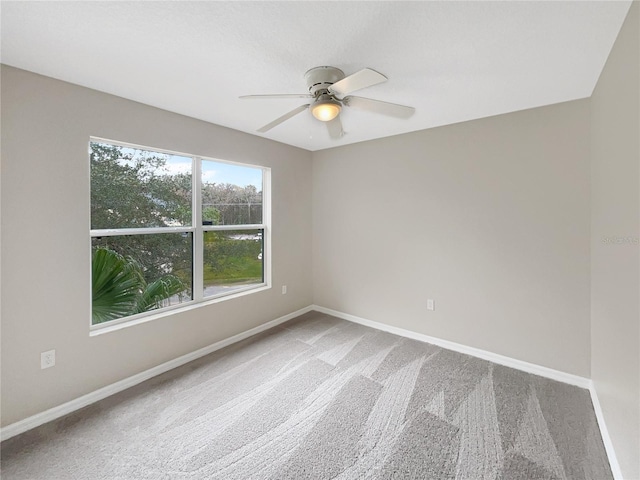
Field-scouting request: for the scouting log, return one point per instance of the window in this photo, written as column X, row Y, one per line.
column 170, row 229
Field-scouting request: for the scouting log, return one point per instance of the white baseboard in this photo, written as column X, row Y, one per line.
column 457, row 347
column 604, row 432
column 80, row 402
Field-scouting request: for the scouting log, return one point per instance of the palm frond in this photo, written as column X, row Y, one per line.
column 115, row 285
column 156, row 292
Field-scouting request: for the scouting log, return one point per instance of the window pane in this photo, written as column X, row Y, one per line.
column 133, row 188
column 136, row 273
column 232, row 260
column 231, row 194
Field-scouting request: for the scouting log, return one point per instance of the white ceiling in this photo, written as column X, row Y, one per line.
column 452, row 61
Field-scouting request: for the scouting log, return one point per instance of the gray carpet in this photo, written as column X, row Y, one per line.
column 321, row 398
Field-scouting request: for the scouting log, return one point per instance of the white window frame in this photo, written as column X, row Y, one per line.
column 197, row 231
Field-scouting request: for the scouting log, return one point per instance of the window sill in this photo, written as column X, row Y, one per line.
column 107, row 327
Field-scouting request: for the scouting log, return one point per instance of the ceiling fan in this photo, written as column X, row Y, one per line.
column 329, row 91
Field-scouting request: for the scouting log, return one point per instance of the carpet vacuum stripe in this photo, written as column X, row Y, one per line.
column 322, row 398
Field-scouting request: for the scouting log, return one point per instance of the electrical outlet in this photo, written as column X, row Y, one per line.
column 284, row 289
column 47, row 359
column 431, row 304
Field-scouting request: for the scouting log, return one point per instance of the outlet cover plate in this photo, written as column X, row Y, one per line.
column 47, row 359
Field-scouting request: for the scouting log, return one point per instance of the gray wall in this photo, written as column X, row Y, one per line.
column 615, row 257
column 490, row 218
column 46, row 125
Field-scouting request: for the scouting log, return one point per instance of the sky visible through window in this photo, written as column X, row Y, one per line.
column 212, row 171
column 234, row 174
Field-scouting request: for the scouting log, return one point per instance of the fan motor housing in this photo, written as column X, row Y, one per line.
column 320, row 78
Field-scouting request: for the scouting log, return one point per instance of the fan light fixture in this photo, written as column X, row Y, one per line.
column 325, row 108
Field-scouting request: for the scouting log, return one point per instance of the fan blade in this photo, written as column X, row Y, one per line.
column 283, row 118
column 377, row 106
column 362, row 79
column 335, row 128
column 279, row 95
